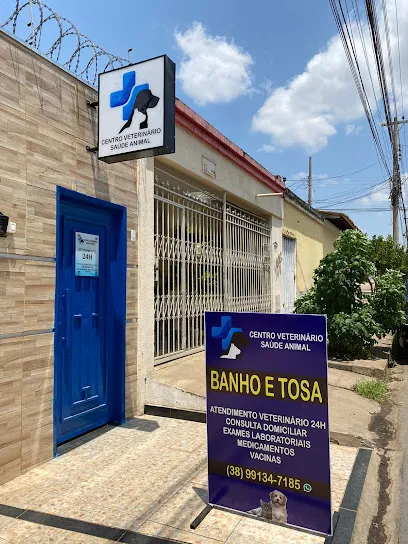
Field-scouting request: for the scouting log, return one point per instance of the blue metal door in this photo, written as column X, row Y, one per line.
column 84, row 288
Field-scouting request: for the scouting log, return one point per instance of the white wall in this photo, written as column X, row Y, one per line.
column 229, row 177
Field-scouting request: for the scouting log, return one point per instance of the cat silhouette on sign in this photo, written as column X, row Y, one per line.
column 144, row 100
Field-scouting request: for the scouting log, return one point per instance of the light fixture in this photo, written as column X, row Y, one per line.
column 269, row 194
column 3, row 225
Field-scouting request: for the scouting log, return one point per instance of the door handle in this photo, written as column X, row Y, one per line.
column 67, row 335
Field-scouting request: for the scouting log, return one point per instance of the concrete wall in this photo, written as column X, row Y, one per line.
column 229, row 177
column 45, row 126
column 314, row 240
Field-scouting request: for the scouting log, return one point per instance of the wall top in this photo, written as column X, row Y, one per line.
column 194, row 123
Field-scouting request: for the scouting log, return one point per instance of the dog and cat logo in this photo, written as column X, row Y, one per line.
column 232, row 338
column 133, row 97
column 273, row 510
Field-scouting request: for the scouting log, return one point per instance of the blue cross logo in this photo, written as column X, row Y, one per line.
column 127, row 95
column 225, row 331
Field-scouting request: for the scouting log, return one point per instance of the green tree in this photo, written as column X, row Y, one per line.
column 354, row 318
column 388, row 301
column 385, row 255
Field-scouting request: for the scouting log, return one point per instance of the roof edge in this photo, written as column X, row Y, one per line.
column 199, row 127
column 342, row 217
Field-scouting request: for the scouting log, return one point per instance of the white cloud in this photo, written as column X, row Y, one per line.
column 378, row 196
column 351, row 129
column 308, row 110
column 299, row 176
column 304, row 175
column 267, row 148
column 213, row 70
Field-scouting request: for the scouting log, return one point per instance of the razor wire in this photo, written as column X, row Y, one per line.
column 84, row 56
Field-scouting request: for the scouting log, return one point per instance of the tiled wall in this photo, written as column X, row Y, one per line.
column 45, row 126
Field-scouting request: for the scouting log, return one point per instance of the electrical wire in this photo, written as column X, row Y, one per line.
column 387, row 37
column 352, row 58
column 340, row 175
column 352, row 192
column 368, row 63
column 340, row 202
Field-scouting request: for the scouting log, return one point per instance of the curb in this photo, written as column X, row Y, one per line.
column 368, row 372
column 345, row 519
column 175, row 413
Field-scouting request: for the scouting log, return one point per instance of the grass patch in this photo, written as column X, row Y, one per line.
column 373, row 389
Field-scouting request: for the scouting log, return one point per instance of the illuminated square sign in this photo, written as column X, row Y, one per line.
column 137, row 111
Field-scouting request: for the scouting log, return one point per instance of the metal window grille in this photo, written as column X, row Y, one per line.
column 247, row 262
column 209, row 255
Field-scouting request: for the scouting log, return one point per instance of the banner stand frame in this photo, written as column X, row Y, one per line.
column 208, row 507
column 201, row 516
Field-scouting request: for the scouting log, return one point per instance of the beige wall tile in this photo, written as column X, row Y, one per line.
column 11, row 358
column 10, row 395
column 36, row 447
column 12, row 75
column 50, row 94
column 131, row 293
column 10, row 446
column 41, row 232
column 38, row 371
column 10, row 462
column 11, row 295
column 87, row 118
column 37, row 396
column 39, row 295
column 12, row 176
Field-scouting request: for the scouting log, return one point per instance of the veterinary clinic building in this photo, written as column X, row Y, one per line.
column 173, row 236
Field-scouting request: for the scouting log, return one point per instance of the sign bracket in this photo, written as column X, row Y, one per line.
column 93, row 105
column 91, row 149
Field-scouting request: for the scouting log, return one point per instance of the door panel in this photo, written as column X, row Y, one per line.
column 83, row 391
column 289, row 274
column 90, row 315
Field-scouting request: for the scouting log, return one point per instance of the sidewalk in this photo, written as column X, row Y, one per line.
column 181, row 384
column 147, row 477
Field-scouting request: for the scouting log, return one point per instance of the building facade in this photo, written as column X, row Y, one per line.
column 308, row 236
column 171, row 236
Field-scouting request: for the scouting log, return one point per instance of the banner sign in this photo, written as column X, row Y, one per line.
column 267, row 417
column 86, row 254
column 137, row 111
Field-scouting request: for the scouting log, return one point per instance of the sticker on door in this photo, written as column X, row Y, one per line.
column 86, row 254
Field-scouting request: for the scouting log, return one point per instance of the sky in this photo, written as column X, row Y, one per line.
column 271, row 76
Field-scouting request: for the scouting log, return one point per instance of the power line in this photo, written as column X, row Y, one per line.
column 363, row 210
column 352, row 58
column 353, row 192
column 339, row 175
column 387, row 37
column 340, row 202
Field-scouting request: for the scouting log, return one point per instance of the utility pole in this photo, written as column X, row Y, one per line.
column 395, row 191
column 396, row 180
column 309, row 183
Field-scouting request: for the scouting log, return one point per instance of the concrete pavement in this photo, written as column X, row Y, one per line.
column 181, row 384
column 145, row 478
